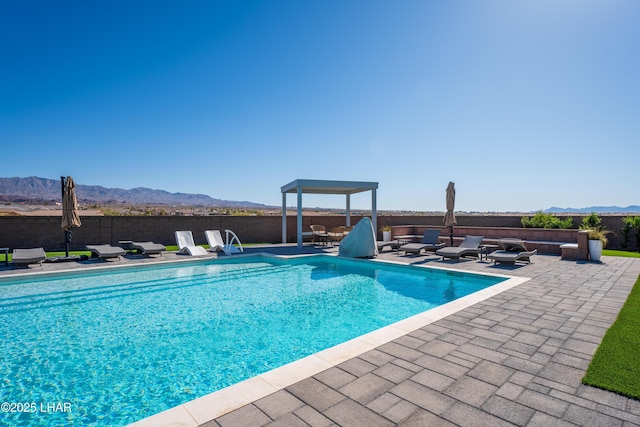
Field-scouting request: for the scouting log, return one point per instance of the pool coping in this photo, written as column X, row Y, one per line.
column 213, row 405
column 100, row 268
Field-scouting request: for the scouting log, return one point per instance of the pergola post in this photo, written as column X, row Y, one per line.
column 348, row 210
column 284, row 217
column 299, row 217
column 374, row 211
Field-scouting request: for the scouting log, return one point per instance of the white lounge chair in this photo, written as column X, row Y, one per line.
column 469, row 246
column 29, row 256
column 429, row 243
column 214, row 238
column 186, row 245
column 106, row 251
column 512, row 250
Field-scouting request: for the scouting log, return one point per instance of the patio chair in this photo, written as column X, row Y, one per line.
column 29, row 256
column 105, row 251
column 148, row 248
column 187, row 246
column 470, row 245
column 336, row 234
column 319, row 233
column 429, row 243
column 214, row 239
column 512, row 250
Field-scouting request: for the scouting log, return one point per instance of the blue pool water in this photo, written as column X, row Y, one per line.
column 111, row 348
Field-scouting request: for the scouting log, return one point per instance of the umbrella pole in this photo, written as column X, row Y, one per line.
column 67, row 239
column 66, row 231
column 451, row 234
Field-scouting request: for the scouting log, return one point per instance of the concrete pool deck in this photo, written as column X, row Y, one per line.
column 515, row 358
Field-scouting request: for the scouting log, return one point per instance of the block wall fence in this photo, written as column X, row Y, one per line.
column 29, row 231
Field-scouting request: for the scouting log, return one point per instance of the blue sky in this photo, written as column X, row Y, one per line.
column 514, row 101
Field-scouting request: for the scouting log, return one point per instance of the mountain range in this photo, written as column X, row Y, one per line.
column 38, row 190
column 596, row 209
column 49, row 190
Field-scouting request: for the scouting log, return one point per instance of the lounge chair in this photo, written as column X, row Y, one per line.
column 186, row 245
column 512, row 250
column 429, row 243
column 319, row 233
column 214, row 239
column 148, row 248
column 470, row 245
column 28, row 256
column 393, row 244
column 105, row 251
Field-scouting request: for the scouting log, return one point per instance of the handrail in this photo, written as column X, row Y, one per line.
column 230, row 247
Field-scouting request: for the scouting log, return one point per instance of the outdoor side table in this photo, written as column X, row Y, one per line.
column 127, row 245
column 324, row 238
column 487, row 249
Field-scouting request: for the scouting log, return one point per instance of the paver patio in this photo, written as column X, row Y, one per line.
column 516, row 358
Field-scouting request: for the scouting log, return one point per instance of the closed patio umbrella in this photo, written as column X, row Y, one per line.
column 70, row 216
column 450, row 217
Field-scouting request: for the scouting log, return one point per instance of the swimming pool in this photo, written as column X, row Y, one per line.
column 115, row 347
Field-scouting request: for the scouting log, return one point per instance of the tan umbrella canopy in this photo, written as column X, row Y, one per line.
column 450, row 217
column 70, row 216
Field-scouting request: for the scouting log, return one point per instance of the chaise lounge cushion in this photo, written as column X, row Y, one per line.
column 512, row 250
column 512, row 245
column 393, row 244
column 429, row 243
column 469, row 246
column 28, row 256
column 149, row 248
column 509, row 256
column 106, row 251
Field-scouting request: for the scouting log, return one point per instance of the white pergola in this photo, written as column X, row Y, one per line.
column 315, row 186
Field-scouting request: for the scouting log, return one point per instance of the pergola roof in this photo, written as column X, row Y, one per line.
column 320, row 186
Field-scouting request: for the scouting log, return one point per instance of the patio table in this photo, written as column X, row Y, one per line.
column 487, row 249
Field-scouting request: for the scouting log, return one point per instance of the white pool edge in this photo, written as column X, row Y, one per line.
column 221, row 402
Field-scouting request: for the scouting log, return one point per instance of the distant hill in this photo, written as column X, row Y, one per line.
column 597, row 209
column 42, row 189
